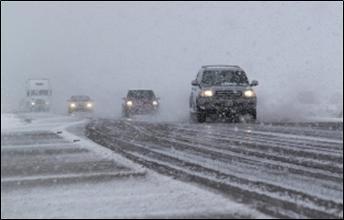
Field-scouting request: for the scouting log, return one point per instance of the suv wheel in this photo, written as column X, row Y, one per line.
column 254, row 114
column 201, row 117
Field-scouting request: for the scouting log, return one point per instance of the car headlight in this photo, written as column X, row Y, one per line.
column 129, row 103
column 249, row 93
column 207, row 93
column 89, row 105
column 72, row 105
column 155, row 103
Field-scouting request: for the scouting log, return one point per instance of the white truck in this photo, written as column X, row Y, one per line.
column 38, row 95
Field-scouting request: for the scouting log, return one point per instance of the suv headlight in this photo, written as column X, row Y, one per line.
column 155, row 103
column 89, row 105
column 72, row 105
column 207, row 93
column 129, row 103
column 249, row 93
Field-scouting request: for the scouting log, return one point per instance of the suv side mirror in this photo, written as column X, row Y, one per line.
column 194, row 83
column 254, row 83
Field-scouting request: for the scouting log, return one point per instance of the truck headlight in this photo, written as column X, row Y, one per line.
column 155, row 103
column 129, row 103
column 207, row 93
column 72, row 105
column 89, row 105
column 249, row 93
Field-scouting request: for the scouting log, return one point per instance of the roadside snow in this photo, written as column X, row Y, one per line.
column 147, row 196
column 9, row 121
column 325, row 119
column 155, row 196
column 91, row 146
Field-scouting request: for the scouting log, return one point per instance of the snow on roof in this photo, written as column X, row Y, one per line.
column 220, row 66
column 38, row 83
column 140, row 89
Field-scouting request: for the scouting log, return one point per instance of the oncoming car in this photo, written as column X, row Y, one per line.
column 222, row 90
column 80, row 103
column 140, row 101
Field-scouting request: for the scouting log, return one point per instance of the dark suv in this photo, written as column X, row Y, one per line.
column 222, row 90
column 140, row 101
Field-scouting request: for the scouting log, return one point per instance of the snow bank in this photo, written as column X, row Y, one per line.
column 9, row 121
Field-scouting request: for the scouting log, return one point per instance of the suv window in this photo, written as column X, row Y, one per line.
column 199, row 76
column 224, row 77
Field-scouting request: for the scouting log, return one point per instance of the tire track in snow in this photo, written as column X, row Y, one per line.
column 117, row 135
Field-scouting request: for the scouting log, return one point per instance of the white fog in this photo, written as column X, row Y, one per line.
column 171, row 110
column 102, row 49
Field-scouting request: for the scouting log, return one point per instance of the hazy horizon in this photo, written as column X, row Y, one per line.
column 102, row 49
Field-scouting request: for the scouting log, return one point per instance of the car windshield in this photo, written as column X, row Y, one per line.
column 224, row 77
column 39, row 92
column 141, row 94
column 80, row 98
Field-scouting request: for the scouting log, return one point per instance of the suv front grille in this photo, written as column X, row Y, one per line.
column 228, row 94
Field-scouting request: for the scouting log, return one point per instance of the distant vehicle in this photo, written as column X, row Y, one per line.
column 80, row 103
column 222, row 90
column 38, row 95
column 140, row 101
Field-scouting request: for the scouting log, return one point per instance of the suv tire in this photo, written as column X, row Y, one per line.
column 201, row 117
column 254, row 114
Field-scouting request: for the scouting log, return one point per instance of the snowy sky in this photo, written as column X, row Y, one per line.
column 103, row 48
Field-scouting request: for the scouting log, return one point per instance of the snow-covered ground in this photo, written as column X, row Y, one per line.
column 10, row 121
column 49, row 172
column 292, row 170
column 324, row 112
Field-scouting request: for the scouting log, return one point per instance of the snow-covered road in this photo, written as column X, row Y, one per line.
column 50, row 170
column 284, row 170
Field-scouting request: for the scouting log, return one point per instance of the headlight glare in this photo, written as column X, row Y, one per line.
column 129, row 103
column 249, row 93
column 207, row 93
column 72, row 105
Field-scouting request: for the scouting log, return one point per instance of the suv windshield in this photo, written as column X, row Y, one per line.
column 224, row 77
column 141, row 94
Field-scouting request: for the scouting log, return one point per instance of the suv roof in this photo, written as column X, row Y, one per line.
column 140, row 90
column 220, row 66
